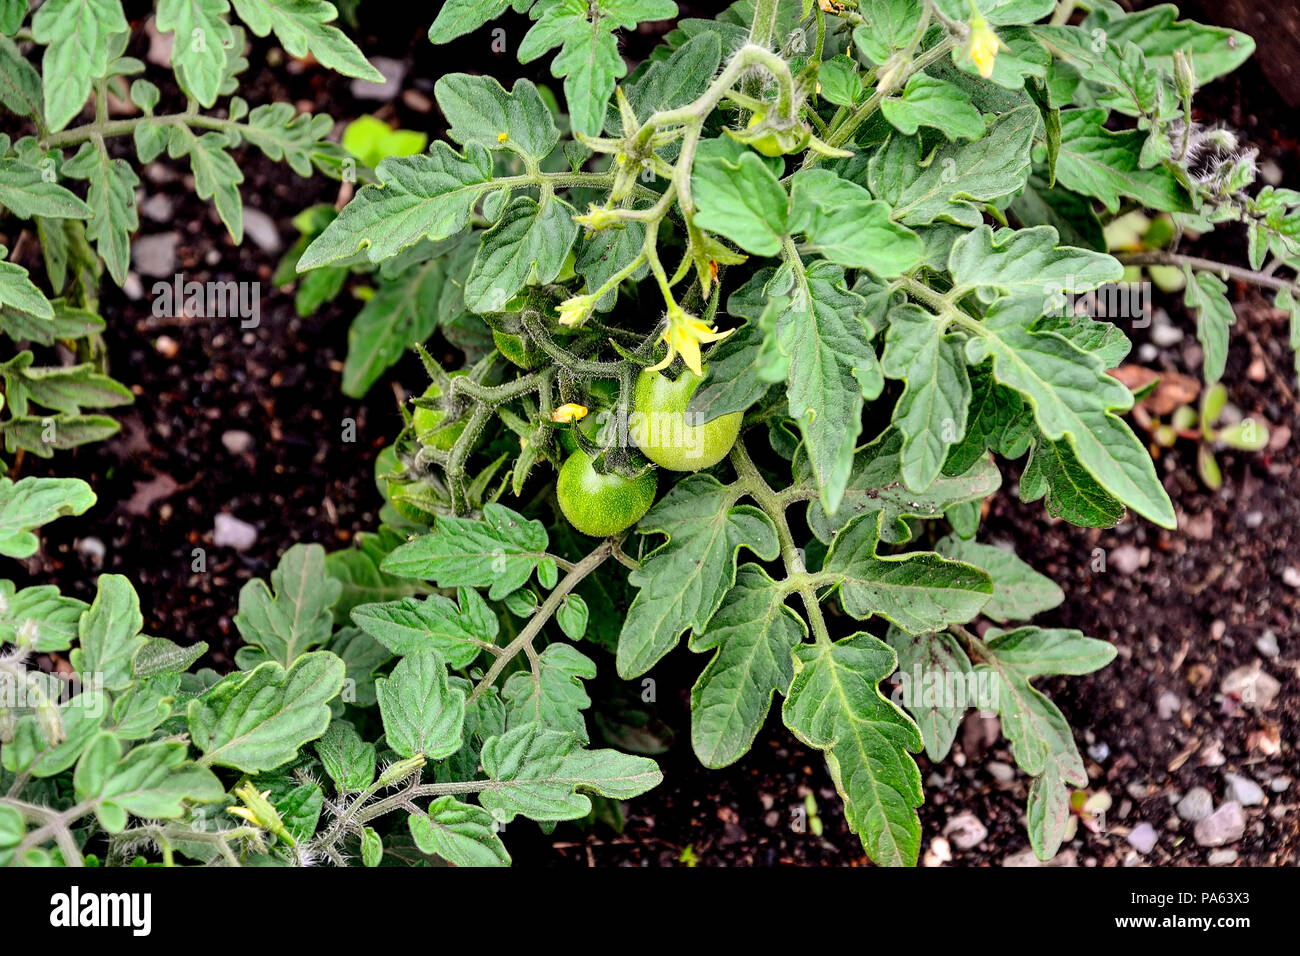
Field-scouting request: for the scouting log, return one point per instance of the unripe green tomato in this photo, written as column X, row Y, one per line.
column 658, row 424
column 601, row 505
column 428, row 422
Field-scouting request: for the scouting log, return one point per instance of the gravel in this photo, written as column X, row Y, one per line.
column 1225, row 825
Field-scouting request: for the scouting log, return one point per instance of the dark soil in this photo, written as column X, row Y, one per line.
column 1184, row 608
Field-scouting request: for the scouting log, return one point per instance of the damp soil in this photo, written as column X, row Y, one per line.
column 251, row 423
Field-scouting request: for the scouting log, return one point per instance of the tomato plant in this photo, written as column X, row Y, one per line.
column 820, row 263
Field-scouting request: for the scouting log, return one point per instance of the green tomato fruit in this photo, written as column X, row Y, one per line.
column 601, row 505
column 428, row 422
column 658, row 424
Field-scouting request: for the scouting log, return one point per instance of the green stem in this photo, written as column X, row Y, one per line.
column 773, row 505
column 1162, row 258
column 763, row 28
column 543, row 614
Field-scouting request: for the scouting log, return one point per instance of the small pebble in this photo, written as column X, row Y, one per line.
column 93, row 549
column 1254, row 519
column 167, row 346
column 1225, row 825
column 1266, row 644
column 1143, row 838
column 938, row 854
column 1244, row 790
column 965, row 830
column 1125, row 559
column 230, row 532
column 1099, row 751
column 1168, row 704
column 236, row 441
column 1279, row 784
column 261, row 228
column 1221, row 857
column 1196, row 805
column 1291, row 577
column 1001, row 772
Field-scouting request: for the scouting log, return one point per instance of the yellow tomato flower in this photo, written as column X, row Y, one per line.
column 575, row 310
column 982, row 46
column 684, row 335
column 569, row 412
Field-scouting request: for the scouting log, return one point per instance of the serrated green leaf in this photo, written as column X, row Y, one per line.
column 934, row 675
column 1019, row 592
column 62, row 388
column 20, row 84
column 408, row 625
column 1095, row 161
column 832, row 369
column 1055, row 472
column 216, row 175
column 929, row 101
column 302, row 27
column 876, row 486
column 555, row 697
column 201, row 37
column 18, row 292
column 32, row 502
column 111, row 198
column 110, row 634
column 1027, row 262
column 458, row 17
column 461, row 834
column 282, row 133
column 153, row 781
column 75, row 34
column 753, row 634
column 931, row 412
column 835, row 705
column 1072, row 397
column 684, row 581
column 422, row 715
column 26, row 193
column 480, row 112
column 1213, row 51
column 417, row 197
column 888, row 25
column 498, row 552
column 1206, row 294
column 738, row 195
column 526, row 246
column 544, row 775
column 918, row 591
column 349, row 760
column 1040, row 737
column 257, row 720
column 960, row 175
column 846, row 225
column 296, row 617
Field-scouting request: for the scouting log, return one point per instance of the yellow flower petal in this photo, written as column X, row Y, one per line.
column 569, row 412
column 982, row 47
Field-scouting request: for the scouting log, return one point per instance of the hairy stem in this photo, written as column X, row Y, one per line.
column 1162, row 258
